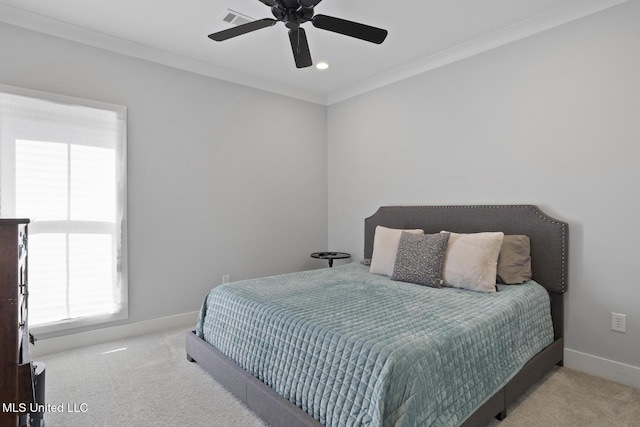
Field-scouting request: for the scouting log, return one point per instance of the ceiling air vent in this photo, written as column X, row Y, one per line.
column 235, row 18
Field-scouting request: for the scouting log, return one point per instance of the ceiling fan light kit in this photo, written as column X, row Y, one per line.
column 295, row 13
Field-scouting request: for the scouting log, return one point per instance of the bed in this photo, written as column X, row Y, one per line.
column 298, row 363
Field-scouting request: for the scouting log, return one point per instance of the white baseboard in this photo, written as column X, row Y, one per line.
column 99, row 336
column 604, row 368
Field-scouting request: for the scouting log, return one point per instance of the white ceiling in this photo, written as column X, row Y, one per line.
column 423, row 34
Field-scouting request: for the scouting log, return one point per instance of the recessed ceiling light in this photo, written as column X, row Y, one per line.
column 322, row 65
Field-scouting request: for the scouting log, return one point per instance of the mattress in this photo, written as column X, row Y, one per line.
column 352, row 348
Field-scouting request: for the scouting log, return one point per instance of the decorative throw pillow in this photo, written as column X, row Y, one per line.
column 385, row 247
column 514, row 261
column 471, row 261
column 420, row 258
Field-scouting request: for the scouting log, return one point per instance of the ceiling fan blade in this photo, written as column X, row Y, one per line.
column 350, row 28
column 270, row 2
column 242, row 29
column 300, row 47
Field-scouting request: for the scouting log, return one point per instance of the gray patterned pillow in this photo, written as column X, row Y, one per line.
column 420, row 259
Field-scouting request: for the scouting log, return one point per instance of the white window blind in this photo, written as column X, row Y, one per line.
column 63, row 165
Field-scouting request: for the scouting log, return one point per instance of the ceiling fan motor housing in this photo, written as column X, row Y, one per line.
column 292, row 13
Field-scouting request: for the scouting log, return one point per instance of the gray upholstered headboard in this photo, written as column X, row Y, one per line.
column 549, row 237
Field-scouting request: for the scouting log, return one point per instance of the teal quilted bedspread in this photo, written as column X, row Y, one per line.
column 355, row 349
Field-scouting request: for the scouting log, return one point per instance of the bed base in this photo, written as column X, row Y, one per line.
column 279, row 412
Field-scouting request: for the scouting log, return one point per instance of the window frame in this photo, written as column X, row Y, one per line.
column 7, row 204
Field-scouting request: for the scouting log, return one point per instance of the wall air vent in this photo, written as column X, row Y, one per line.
column 236, row 18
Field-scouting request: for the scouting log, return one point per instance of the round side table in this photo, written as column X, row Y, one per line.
column 330, row 256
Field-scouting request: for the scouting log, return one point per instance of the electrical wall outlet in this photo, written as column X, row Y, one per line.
column 618, row 322
column 226, row 278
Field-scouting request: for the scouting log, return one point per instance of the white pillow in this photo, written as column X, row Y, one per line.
column 385, row 248
column 471, row 261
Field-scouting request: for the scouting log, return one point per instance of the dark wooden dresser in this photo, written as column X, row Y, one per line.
column 16, row 383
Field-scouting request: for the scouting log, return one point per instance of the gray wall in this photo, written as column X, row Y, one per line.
column 552, row 120
column 223, row 179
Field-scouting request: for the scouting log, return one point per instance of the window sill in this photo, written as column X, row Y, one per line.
column 51, row 329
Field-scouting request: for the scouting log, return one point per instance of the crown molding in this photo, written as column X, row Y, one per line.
column 529, row 27
column 552, row 19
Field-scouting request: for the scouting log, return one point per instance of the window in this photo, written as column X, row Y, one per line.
column 63, row 165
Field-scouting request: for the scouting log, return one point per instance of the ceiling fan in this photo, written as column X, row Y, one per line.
column 296, row 12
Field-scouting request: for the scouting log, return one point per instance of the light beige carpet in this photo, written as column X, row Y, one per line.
column 144, row 381
column 147, row 381
column 570, row 398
